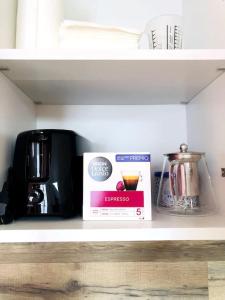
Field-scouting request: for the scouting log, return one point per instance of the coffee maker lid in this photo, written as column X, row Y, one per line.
column 185, row 154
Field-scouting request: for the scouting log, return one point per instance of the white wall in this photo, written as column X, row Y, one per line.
column 17, row 113
column 127, row 13
column 204, row 24
column 206, row 131
column 156, row 129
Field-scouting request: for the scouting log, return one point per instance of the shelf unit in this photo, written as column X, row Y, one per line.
column 140, row 100
column 160, row 77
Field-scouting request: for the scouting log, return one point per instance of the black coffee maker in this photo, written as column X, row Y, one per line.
column 46, row 174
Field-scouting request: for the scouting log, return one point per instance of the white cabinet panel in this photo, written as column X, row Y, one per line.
column 206, row 131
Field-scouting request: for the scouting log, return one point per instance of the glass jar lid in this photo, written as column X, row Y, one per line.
column 184, row 154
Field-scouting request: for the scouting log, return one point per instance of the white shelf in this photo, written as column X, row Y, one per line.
column 162, row 228
column 129, row 77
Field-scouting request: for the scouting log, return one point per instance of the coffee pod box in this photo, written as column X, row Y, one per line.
column 117, row 186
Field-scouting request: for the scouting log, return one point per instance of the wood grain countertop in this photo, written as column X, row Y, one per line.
column 76, row 252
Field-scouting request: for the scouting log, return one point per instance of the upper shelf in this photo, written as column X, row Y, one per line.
column 128, row 77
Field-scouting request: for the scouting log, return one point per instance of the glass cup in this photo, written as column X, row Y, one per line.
column 163, row 32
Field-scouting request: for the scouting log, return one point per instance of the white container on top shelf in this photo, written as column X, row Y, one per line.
column 38, row 23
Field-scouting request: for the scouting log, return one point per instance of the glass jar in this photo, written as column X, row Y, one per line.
column 189, row 186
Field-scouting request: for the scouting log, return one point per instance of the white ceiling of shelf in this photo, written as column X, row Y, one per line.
column 117, row 82
column 141, row 77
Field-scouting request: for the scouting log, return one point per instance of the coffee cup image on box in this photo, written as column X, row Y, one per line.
column 131, row 179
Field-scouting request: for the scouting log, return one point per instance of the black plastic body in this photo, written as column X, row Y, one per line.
column 47, row 174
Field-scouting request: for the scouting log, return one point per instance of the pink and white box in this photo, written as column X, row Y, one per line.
column 117, row 186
